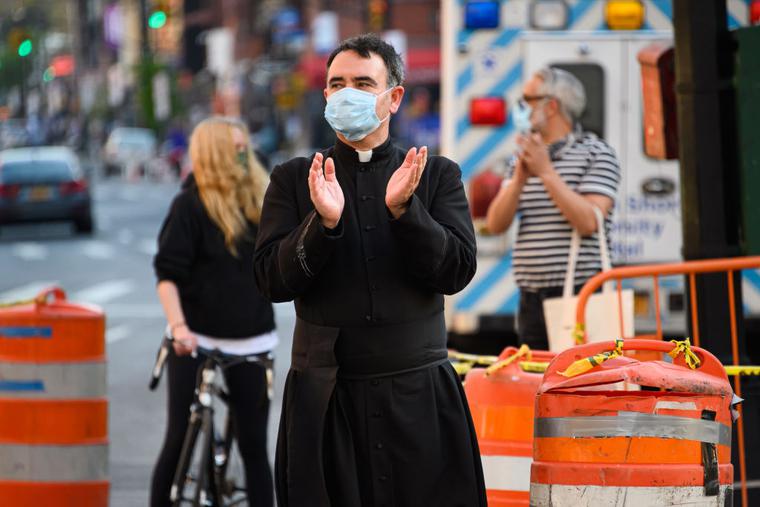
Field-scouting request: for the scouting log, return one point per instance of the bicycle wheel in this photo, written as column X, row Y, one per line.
column 181, row 477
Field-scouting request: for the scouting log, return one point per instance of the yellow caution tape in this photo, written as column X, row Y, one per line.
column 579, row 333
column 684, row 347
column 17, row 303
column 524, row 351
column 585, row 364
column 533, row 366
column 472, row 358
column 742, row 370
column 462, row 368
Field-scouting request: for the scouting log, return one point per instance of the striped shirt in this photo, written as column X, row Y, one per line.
column 587, row 165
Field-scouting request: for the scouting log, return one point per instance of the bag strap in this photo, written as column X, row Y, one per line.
column 575, row 246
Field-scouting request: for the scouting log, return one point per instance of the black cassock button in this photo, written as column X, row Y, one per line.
column 379, row 445
column 383, row 477
column 369, row 227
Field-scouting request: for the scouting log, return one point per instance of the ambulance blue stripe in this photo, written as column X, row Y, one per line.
column 464, row 79
column 504, row 39
column 21, row 385
column 25, row 332
column 483, row 285
column 464, row 36
column 498, row 136
column 578, row 10
column 665, row 7
column 510, row 305
column 752, row 277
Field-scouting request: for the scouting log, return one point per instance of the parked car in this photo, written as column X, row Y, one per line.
column 127, row 148
column 44, row 184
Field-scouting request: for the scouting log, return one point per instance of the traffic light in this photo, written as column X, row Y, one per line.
column 159, row 14
column 378, row 14
column 20, row 41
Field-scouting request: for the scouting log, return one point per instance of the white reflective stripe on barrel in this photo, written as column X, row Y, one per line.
column 53, row 380
column 563, row 495
column 53, row 463
column 506, row 473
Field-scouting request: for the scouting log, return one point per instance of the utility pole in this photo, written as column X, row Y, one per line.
column 144, row 40
column 704, row 56
column 710, row 195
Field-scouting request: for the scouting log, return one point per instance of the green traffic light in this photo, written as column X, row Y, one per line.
column 157, row 19
column 25, row 48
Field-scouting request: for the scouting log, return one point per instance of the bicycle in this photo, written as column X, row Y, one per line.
column 213, row 488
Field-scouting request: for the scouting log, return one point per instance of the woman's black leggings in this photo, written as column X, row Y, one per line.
column 247, row 388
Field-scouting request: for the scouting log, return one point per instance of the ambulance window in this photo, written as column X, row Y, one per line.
column 592, row 77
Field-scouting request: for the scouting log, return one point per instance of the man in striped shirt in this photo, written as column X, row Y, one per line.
column 554, row 181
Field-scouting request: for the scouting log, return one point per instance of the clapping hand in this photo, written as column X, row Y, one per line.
column 325, row 191
column 404, row 181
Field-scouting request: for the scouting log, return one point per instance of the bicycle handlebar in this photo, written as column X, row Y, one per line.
column 217, row 356
column 158, row 366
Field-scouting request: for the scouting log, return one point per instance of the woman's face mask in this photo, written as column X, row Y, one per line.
column 351, row 112
column 243, row 159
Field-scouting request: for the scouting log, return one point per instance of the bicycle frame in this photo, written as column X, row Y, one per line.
column 212, row 485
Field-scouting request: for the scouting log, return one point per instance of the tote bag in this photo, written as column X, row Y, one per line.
column 602, row 310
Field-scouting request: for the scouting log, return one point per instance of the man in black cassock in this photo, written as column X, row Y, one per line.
column 366, row 239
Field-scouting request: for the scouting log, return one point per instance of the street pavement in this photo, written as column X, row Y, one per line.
column 113, row 269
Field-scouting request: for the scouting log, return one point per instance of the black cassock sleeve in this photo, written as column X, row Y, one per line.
column 440, row 241
column 290, row 250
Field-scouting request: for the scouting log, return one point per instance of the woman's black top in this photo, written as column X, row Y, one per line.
column 217, row 290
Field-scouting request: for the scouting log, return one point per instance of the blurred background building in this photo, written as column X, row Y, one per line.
column 77, row 69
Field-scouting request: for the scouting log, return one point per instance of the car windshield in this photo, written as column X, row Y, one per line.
column 35, row 171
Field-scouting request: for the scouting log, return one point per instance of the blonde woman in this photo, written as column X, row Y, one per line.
column 204, row 268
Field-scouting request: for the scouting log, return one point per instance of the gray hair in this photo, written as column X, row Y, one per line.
column 566, row 88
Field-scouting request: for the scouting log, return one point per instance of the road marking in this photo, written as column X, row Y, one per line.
column 104, row 292
column 30, row 251
column 126, row 236
column 98, row 250
column 27, row 291
column 117, row 333
column 148, row 246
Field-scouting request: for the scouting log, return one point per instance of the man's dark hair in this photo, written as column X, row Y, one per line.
column 370, row 43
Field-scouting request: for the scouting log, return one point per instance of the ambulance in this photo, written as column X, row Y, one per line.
column 489, row 48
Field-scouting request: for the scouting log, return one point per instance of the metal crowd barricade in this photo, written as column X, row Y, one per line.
column 691, row 269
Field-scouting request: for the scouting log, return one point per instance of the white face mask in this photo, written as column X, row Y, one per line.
column 351, row 112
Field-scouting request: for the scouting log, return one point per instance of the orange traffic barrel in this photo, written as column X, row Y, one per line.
column 501, row 399
column 53, row 405
column 666, row 444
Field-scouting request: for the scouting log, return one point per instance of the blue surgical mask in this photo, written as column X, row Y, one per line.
column 351, row 112
column 521, row 117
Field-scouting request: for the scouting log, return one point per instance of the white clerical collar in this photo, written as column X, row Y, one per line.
column 364, row 156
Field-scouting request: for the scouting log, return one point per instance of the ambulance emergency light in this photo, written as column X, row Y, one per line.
column 481, row 14
column 490, row 111
column 549, row 14
column 754, row 13
column 624, row 14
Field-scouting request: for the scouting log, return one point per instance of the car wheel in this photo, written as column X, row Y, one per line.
column 84, row 225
